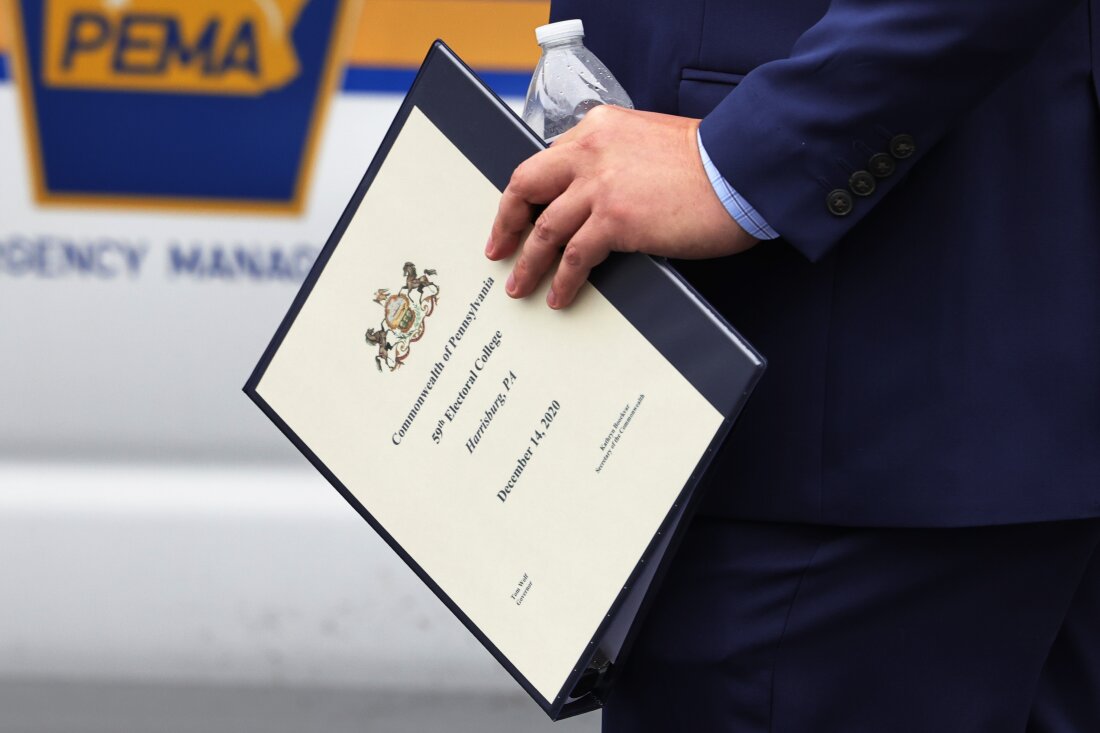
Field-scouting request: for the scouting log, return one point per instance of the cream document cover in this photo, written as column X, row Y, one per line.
column 524, row 458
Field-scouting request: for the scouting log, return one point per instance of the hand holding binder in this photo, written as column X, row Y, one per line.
column 596, row 194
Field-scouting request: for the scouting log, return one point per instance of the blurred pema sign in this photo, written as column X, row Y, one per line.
column 206, row 103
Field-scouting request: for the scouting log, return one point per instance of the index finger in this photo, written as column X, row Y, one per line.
column 536, row 182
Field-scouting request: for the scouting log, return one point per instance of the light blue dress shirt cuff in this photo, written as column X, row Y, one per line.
column 740, row 209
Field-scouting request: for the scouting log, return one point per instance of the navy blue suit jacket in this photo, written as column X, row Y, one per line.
column 934, row 354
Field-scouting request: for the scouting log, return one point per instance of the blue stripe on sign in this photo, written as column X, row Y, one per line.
column 368, row 79
column 398, row 81
column 365, row 79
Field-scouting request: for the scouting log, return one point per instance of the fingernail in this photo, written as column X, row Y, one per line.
column 489, row 247
column 510, row 286
column 552, row 299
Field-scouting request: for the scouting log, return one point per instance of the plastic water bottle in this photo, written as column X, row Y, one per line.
column 569, row 80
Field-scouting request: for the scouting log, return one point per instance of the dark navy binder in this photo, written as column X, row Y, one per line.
column 693, row 337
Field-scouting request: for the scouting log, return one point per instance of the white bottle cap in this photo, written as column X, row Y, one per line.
column 559, row 31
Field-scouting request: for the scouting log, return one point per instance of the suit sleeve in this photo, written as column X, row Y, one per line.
column 865, row 93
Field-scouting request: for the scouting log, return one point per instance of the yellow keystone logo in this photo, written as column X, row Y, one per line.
column 226, row 47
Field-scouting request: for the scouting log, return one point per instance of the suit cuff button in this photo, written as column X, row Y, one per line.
column 862, row 183
column 882, row 165
column 839, row 202
column 902, row 146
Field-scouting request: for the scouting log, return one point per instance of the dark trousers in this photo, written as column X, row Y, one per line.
column 805, row 629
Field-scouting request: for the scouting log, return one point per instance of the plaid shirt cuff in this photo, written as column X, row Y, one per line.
column 740, row 209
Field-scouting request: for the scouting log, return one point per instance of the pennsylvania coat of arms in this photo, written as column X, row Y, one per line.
column 404, row 314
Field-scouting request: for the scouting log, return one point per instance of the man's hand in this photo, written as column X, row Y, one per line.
column 620, row 181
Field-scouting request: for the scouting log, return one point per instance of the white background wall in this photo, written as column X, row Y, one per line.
column 153, row 524
column 152, row 366
column 234, row 575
